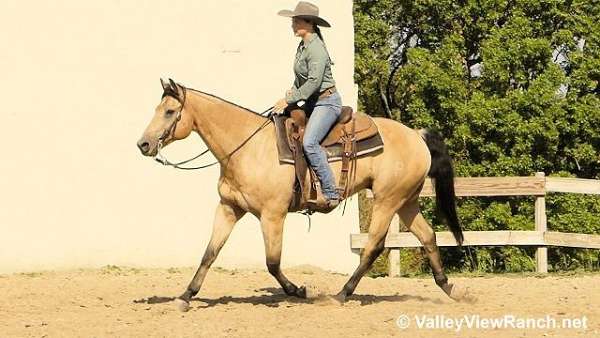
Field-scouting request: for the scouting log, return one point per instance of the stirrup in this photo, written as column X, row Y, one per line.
column 329, row 203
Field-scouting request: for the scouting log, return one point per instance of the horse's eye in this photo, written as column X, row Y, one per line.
column 169, row 112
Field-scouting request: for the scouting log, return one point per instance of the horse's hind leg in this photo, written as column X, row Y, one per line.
column 411, row 216
column 225, row 218
column 380, row 223
column 272, row 228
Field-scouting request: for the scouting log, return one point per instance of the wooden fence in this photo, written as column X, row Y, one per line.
column 537, row 186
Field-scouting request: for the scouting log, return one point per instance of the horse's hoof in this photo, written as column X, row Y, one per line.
column 339, row 299
column 461, row 294
column 182, row 305
column 312, row 291
column 300, row 292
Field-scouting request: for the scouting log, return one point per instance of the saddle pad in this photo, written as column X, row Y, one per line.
column 334, row 152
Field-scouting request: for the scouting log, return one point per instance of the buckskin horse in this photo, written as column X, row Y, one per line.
column 253, row 180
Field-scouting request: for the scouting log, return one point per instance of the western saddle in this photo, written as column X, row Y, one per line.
column 352, row 135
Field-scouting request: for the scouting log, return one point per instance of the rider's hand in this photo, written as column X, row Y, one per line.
column 280, row 106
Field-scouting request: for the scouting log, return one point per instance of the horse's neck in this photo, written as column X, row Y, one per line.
column 221, row 125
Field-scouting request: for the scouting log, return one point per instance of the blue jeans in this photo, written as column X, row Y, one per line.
column 324, row 115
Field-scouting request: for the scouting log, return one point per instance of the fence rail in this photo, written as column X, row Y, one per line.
column 537, row 186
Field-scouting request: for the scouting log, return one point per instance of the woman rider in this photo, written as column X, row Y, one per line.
column 315, row 85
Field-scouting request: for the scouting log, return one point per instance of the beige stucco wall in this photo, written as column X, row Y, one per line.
column 80, row 80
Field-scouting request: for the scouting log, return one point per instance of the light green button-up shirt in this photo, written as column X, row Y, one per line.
column 312, row 68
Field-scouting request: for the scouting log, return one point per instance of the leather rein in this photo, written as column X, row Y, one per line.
column 170, row 132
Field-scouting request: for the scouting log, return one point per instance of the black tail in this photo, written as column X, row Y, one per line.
column 443, row 175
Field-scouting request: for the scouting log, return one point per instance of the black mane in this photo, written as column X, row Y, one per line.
column 222, row 99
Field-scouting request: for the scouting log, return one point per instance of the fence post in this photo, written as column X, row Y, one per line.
column 394, row 256
column 541, row 255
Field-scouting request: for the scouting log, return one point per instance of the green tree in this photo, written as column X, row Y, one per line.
column 514, row 87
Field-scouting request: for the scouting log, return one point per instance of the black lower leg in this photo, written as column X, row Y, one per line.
column 194, row 287
column 442, row 281
column 188, row 294
column 440, row 278
column 289, row 288
column 363, row 267
column 435, row 262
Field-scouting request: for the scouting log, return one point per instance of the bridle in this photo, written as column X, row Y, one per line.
column 170, row 132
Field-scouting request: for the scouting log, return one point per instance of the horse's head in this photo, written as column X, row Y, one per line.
column 170, row 121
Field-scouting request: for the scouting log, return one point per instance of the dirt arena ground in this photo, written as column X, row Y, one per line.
column 122, row 302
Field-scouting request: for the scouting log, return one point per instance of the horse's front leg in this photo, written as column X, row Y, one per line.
column 226, row 216
column 272, row 229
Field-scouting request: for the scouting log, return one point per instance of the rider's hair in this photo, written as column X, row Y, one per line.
column 318, row 31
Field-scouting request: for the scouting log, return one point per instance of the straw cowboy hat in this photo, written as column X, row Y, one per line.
column 305, row 10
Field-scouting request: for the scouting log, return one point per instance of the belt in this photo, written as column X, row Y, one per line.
column 327, row 92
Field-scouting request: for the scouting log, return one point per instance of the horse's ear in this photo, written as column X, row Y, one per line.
column 174, row 88
column 174, row 85
column 164, row 84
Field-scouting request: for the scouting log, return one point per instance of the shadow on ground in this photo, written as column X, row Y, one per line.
column 276, row 296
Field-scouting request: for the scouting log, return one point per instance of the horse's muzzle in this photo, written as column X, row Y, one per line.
column 146, row 147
